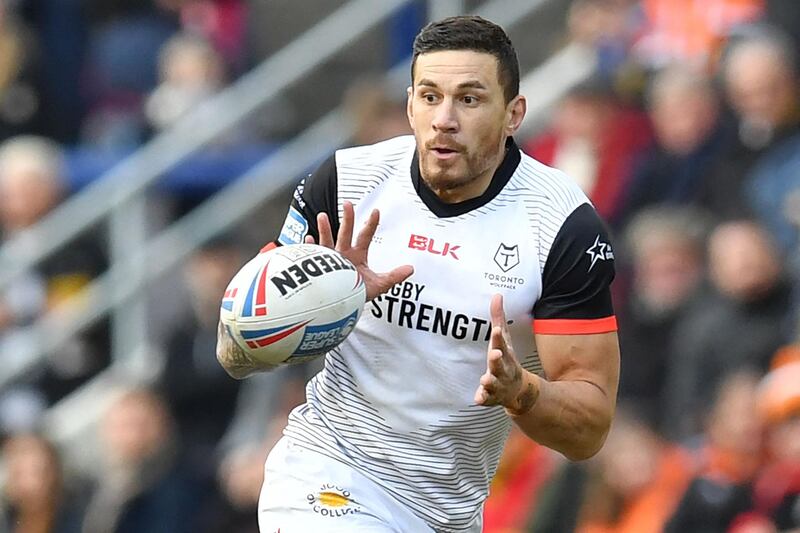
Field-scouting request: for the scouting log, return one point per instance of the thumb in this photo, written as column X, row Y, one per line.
column 384, row 282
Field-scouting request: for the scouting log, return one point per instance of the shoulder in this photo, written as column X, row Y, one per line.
column 556, row 193
column 551, row 198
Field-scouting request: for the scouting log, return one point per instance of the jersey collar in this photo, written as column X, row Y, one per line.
column 442, row 209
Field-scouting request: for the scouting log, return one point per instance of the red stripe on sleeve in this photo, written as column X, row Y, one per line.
column 267, row 247
column 569, row 326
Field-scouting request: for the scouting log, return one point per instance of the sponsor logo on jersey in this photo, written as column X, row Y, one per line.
column 298, row 193
column 599, row 251
column 333, row 501
column 295, row 228
column 255, row 303
column 403, row 306
column 506, row 257
column 298, row 275
column 426, row 244
column 323, row 337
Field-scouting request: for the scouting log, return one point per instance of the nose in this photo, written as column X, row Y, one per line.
column 444, row 118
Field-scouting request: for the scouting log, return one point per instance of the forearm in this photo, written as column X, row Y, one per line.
column 571, row 417
column 236, row 362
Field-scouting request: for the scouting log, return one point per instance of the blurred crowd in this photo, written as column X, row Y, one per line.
column 686, row 139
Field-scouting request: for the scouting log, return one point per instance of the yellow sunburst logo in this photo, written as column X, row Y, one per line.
column 333, row 499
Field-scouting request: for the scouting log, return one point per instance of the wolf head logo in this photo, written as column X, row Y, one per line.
column 506, row 257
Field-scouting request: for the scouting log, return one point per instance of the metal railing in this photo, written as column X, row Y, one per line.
column 119, row 194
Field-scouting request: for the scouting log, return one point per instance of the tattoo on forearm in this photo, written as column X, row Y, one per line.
column 231, row 356
column 235, row 356
column 525, row 400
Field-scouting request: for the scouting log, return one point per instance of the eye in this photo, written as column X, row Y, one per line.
column 430, row 98
column 469, row 100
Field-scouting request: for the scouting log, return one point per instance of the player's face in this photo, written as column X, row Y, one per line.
column 460, row 119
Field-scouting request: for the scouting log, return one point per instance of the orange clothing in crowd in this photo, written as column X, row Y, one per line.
column 650, row 510
column 523, row 469
column 692, row 30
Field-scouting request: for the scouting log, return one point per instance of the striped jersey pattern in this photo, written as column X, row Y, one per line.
column 395, row 400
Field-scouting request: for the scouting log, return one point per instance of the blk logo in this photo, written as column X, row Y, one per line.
column 425, row 244
column 507, row 257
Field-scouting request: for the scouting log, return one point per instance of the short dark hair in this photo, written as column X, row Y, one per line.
column 476, row 34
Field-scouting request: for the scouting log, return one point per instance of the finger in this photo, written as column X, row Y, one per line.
column 498, row 317
column 481, row 396
column 494, row 363
column 489, row 383
column 324, row 229
column 380, row 283
column 365, row 235
column 498, row 340
column 345, row 239
column 497, row 312
column 398, row 275
column 383, row 282
column 309, row 239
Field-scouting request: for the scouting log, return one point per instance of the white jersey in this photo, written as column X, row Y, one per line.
column 395, row 400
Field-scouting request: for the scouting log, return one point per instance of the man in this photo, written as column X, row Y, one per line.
column 403, row 428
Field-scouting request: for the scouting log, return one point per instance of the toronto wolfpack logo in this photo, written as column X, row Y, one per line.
column 507, row 257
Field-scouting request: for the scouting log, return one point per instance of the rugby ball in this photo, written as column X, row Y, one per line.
column 293, row 303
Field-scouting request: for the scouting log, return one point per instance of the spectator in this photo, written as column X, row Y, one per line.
column 690, row 31
column 762, row 88
column 609, row 27
column 595, row 141
column 240, row 478
column 193, row 381
column 684, row 111
column 632, row 485
column 121, row 68
column 36, row 495
column 262, row 409
column 727, row 461
column 777, row 488
column 221, row 22
column 738, row 325
column 666, row 245
column 374, row 113
column 20, row 77
column 143, row 485
column 190, row 71
column 785, row 15
column 31, row 185
column 523, row 469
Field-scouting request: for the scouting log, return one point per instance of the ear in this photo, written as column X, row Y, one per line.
column 409, row 109
column 515, row 113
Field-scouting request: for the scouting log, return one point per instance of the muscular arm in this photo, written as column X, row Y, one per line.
column 572, row 410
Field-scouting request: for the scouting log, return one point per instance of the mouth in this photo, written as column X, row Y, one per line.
column 444, row 152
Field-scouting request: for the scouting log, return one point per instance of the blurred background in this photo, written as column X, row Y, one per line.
column 148, row 148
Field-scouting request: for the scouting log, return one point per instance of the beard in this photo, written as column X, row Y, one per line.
column 463, row 170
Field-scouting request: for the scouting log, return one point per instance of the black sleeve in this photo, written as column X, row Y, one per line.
column 578, row 271
column 315, row 194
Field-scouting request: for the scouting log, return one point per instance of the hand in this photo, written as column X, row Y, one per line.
column 505, row 382
column 376, row 283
